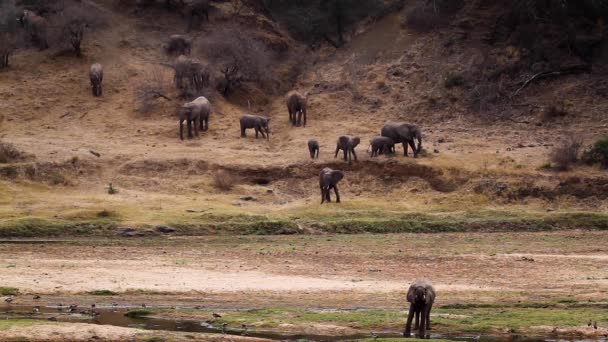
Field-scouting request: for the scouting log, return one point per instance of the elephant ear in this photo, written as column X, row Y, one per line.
column 337, row 176
column 411, row 295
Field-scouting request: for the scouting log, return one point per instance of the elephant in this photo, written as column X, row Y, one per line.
column 421, row 296
column 347, row 144
column 178, row 44
column 96, row 76
column 296, row 106
column 259, row 123
column 193, row 72
column 404, row 133
column 313, row 148
column 195, row 8
column 36, row 26
column 381, row 145
column 191, row 112
column 329, row 179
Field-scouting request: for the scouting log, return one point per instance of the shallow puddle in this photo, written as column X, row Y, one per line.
column 115, row 316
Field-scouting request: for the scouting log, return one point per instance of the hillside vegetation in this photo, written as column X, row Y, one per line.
column 511, row 97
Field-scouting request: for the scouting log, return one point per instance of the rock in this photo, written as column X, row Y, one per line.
column 248, row 198
column 441, row 140
column 165, row 229
column 435, row 151
column 520, row 145
column 270, row 191
column 125, row 230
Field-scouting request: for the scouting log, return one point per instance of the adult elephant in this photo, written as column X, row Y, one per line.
column 194, row 113
column 296, row 106
column 405, row 133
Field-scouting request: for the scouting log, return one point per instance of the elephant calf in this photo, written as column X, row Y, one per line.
column 380, row 145
column 347, row 144
column 96, row 76
column 329, row 179
column 259, row 123
column 194, row 113
column 421, row 296
column 313, row 148
column 296, row 105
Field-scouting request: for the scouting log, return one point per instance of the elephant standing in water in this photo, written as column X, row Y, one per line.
column 259, row 123
column 296, row 105
column 96, row 76
column 404, row 133
column 313, row 148
column 194, row 113
column 421, row 296
column 347, row 144
column 329, row 179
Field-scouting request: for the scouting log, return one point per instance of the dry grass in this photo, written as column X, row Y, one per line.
column 9, row 153
column 566, row 153
column 224, row 180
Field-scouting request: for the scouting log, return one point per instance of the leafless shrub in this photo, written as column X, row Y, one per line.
column 223, row 180
column 566, row 153
column 9, row 153
column 554, row 111
column 237, row 6
column 155, row 84
column 237, row 56
column 70, row 25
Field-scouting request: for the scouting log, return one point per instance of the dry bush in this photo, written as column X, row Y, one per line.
column 223, row 180
column 70, row 25
column 566, row 153
column 237, row 55
column 9, row 153
column 483, row 96
column 554, row 111
column 155, row 84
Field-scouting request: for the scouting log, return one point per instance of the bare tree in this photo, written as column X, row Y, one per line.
column 8, row 32
column 155, row 84
column 71, row 23
column 237, row 55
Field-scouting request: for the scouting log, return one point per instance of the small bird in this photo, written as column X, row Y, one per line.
column 143, row 305
column 216, row 315
column 36, row 297
column 244, row 333
column 36, row 309
column 73, row 306
column 93, row 306
column 595, row 325
column 374, row 335
column 590, row 323
column 9, row 300
column 224, row 325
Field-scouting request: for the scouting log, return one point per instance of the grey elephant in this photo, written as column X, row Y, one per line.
column 36, row 27
column 347, row 144
column 96, row 77
column 404, row 133
column 192, row 9
column 190, row 74
column 259, row 123
column 329, row 179
column 296, row 106
column 380, row 145
column 194, row 113
column 178, row 44
column 313, row 148
column 421, row 296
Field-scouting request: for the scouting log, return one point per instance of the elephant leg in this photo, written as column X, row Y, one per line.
column 206, row 124
column 257, row 131
column 337, row 150
column 181, row 129
column 408, row 323
column 196, row 125
column 422, row 330
column 413, row 146
column 337, row 194
column 299, row 123
column 189, row 122
column 417, row 320
column 243, row 132
column 352, row 150
column 322, row 194
column 317, row 153
column 345, row 154
column 428, row 317
column 304, row 114
column 93, row 90
column 201, row 122
column 404, row 148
